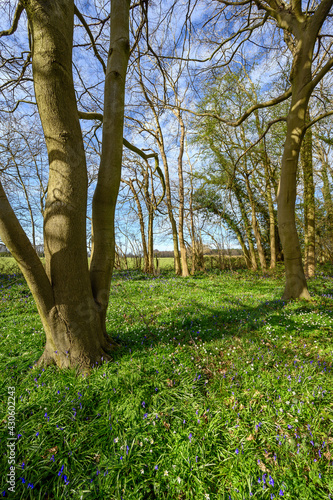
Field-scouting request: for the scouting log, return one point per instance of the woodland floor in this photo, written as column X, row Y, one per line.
column 219, row 391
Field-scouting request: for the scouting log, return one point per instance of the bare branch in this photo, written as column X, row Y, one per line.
column 281, row 119
column 319, row 117
column 98, row 116
column 322, row 73
column 17, row 15
column 267, row 104
column 93, row 44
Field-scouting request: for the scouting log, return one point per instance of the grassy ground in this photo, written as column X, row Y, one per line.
column 8, row 265
column 219, row 391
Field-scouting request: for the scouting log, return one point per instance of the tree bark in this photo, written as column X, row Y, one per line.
column 255, row 226
column 62, row 292
column 72, row 304
column 296, row 286
column 142, row 226
column 109, row 175
column 309, row 204
column 184, row 266
column 247, row 228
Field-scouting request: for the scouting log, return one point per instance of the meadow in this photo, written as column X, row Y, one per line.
column 219, row 390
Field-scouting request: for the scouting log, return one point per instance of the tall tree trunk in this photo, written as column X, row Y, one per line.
column 142, row 226
column 309, row 204
column 151, row 268
column 63, row 293
column 178, row 269
column 109, row 175
column 184, row 266
column 328, row 205
column 268, row 193
column 255, row 226
column 295, row 286
column 247, row 227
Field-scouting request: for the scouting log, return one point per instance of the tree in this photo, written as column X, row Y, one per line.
column 71, row 299
column 303, row 29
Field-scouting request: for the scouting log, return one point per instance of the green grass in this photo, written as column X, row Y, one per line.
column 8, row 265
column 220, row 391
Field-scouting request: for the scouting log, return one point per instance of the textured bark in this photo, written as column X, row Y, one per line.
column 142, row 225
column 268, row 194
column 309, row 205
column 327, row 238
column 255, row 226
column 296, row 286
column 109, row 175
column 184, row 266
column 305, row 30
column 178, row 269
column 247, row 227
column 72, row 308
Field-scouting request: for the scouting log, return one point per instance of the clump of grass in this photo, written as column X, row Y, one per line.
column 220, row 391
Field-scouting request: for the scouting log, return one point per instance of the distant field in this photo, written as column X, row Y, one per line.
column 8, row 265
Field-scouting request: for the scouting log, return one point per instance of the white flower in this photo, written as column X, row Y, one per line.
column 178, row 479
column 166, row 473
column 142, row 471
column 141, row 443
column 207, row 497
column 116, row 440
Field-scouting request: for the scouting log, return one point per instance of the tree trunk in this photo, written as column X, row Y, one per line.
column 142, row 226
column 252, row 254
column 184, row 266
column 72, row 307
column 255, row 226
column 309, row 204
column 178, row 269
column 151, row 268
column 74, row 334
column 109, row 175
column 327, row 240
column 296, row 286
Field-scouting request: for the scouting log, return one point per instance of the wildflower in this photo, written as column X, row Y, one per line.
column 281, row 493
column 190, row 437
column 179, row 480
column 30, row 485
column 166, row 473
column 142, row 471
column 116, row 440
column 207, row 497
column 237, row 451
column 37, row 434
column 23, row 464
column 156, row 467
column 145, row 415
column 121, row 458
column 60, row 472
column 143, row 404
column 271, row 481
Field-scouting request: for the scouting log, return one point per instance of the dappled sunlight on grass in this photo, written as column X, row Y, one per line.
column 220, row 390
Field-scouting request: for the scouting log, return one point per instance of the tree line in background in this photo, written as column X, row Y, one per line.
column 223, row 134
